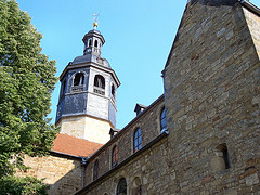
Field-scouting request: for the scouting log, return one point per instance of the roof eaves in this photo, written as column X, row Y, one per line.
column 125, row 128
column 250, row 6
column 66, row 155
column 124, row 162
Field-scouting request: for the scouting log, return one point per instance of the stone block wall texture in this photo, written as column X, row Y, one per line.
column 212, row 89
column 150, row 126
column 86, row 127
column 152, row 169
column 63, row 174
column 212, row 98
column 253, row 22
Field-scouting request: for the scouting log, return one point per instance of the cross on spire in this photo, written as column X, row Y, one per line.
column 95, row 20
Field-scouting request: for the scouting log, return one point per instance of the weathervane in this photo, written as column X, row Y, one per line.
column 95, row 20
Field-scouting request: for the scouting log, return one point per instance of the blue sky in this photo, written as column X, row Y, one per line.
column 138, row 34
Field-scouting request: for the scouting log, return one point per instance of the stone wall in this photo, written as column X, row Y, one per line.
column 62, row 173
column 151, row 171
column 150, row 126
column 253, row 22
column 212, row 100
column 212, row 89
column 86, row 127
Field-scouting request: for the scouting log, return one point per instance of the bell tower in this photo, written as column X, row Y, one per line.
column 87, row 103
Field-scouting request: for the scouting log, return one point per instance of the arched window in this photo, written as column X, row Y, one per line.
column 223, row 160
column 90, row 43
column 99, row 81
column 113, row 90
column 95, row 44
column 137, row 140
column 163, row 119
column 64, row 87
column 79, row 79
column 225, row 155
column 96, row 170
column 137, row 186
column 114, row 156
column 122, row 187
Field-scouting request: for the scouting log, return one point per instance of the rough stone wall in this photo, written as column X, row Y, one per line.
column 149, row 124
column 151, row 170
column 74, row 126
column 63, row 174
column 86, row 127
column 212, row 90
column 253, row 22
column 212, row 99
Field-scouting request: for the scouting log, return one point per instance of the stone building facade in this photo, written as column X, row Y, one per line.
column 62, row 170
column 212, row 97
column 202, row 136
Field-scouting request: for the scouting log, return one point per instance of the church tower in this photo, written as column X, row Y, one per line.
column 87, row 103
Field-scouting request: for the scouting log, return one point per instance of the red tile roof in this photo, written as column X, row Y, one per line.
column 67, row 144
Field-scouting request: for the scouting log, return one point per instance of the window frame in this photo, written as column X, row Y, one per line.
column 163, row 119
column 80, row 80
column 121, row 187
column 64, row 86
column 113, row 91
column 114, row 156
column 103, row 82
column 96, row 170
column 137, row 140
column 90, row 43
column 222, row 158
column 226, row 157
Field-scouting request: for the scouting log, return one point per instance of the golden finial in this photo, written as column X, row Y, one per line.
column 95, row 20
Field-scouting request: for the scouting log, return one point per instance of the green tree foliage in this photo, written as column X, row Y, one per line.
column 18, row 186
column 27, row 80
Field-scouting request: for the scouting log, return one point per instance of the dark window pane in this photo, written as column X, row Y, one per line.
column 163, row 119
column 115, row 156
column 99, row 81
column 96, row 170
column 79, row 79
column 122, row 187
column 137, row 139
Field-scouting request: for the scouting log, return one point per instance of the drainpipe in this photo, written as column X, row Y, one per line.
column 84, row 164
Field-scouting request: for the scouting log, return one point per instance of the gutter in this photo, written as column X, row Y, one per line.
column 160, row 137
column 250, row 6
column 66, row 155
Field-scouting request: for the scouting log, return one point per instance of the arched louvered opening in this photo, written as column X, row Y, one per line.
column 79, row 79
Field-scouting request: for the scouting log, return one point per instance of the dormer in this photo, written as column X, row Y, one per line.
column 139, row 109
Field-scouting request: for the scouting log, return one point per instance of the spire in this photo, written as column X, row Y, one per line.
column 95, row 20
column 92, row 50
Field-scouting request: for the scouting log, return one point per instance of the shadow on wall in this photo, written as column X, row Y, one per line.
column 68, row 183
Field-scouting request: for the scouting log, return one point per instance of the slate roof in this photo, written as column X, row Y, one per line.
column 70, row 145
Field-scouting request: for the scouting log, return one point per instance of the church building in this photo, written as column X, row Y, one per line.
column 202, row 136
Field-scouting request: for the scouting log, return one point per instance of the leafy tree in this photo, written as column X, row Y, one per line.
column 27, row 80
column 18, row 186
